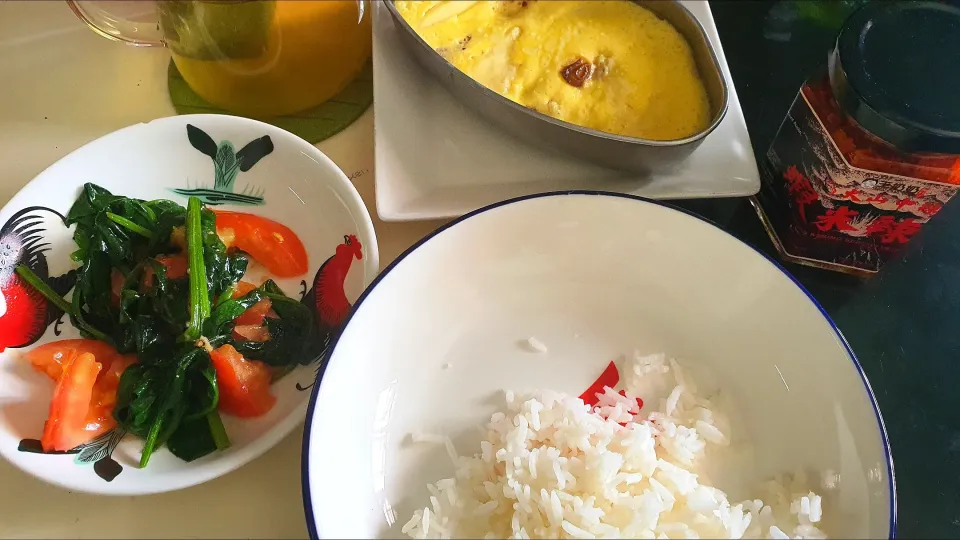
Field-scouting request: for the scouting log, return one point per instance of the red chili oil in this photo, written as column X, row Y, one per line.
column 870, row 151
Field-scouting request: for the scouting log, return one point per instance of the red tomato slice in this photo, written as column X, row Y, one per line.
column 251, row 332
column 254, row 314
column 272, row 244
column 100, row 414
column 243, row 287
column 175, row 265
column 50, row 358
column 244, row 384
column 65, row 427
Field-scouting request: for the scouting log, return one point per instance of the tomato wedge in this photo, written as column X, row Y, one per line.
column 254, row 314
column 65, row 427
column 251, row 332
column 175, row 266
column 53, row 358
column 242, row 288
column 272, row 244
column 249, row 325
column 244, row 384
column 50, row 358
column 100, row 414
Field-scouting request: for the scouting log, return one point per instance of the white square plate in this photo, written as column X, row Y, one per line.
column 435, row 158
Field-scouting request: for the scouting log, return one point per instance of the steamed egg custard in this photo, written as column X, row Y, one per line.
column 612, row 66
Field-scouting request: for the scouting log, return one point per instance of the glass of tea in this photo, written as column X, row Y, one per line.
column 258, row 58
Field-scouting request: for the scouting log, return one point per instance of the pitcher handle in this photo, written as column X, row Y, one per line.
column 144, row 33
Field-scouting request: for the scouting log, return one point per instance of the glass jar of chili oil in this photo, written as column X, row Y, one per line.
column 870, row 150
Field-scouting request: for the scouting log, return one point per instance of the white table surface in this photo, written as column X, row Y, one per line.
column 62, row 86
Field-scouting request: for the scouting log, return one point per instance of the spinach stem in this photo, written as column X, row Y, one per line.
column 130, row 225
column 151, row 215
column 42, row 288
column 217, row 430
column 227, row 295
column 131, row 279
column 51, row 295
column 200, row 302
column 78, row 320
column 199, row 295
column 151, row 442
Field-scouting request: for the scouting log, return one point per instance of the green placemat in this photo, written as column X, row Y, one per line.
column 314, row 125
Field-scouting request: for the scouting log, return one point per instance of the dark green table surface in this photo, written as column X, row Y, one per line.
column 903, row 323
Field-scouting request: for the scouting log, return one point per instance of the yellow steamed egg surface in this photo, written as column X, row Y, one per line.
column 608, row 65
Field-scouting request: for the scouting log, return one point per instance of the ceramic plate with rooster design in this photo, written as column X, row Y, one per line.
column 232, row 165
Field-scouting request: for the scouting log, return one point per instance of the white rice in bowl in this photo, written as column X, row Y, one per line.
column 552, row 467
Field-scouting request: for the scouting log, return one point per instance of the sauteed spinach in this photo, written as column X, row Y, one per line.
column 130, row 294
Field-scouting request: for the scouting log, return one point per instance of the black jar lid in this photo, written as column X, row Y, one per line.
column 896, row 71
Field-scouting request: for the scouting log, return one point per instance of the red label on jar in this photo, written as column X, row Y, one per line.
column 824, row 211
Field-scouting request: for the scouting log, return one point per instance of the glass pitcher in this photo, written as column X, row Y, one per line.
column 257, row 58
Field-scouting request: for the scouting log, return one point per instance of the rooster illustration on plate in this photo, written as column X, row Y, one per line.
column 24, row 313
column 327, row 298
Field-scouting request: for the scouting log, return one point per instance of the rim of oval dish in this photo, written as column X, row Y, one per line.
column 308, row 424
column 280, row 430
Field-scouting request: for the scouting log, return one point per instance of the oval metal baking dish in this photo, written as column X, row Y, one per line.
column 615, row 151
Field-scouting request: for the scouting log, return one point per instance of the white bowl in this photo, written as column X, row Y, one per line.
column 294, row 184
column 591, row 275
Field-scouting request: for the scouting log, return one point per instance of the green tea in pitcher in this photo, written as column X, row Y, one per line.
column 267, row 58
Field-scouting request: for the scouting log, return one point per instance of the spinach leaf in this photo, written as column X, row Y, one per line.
column 125, row 235
column 93, row 282
column 136, row 394
column 204, row 393
column 223, row 269
column 168, row 216
column 192, row 440
column 201, row 429
column 170, row 396
column 151, row 318
column 91, row 202
column 145, row 391
column 218, row 328
column 173, row 391
column 293, row 338
column 114, row 234
column 119, row 227
column 152, row 400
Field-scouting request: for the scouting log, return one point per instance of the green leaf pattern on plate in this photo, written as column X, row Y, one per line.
column 99, row 448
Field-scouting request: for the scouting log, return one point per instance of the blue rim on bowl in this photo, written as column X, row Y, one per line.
column 305, row 452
